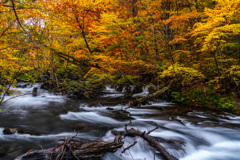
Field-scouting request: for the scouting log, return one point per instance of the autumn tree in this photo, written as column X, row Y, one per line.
column 218, row 34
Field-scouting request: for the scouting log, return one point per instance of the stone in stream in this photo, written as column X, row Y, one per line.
column 109, row 108
column 7, row 131
column 34, row 92
column 10, row 130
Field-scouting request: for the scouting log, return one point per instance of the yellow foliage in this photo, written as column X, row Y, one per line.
column 228, row 78
column 220, row 24
column 234, row 74
column 185, row 75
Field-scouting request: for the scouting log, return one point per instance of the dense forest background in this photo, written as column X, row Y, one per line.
column 79, row 46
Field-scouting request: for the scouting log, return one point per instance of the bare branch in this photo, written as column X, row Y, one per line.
column 7, row 28
column 152, row 130
column 26, row 32
column 129, row 147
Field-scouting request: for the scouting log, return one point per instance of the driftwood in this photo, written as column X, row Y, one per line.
column 139, row 101
column 74, row 150
column 151, row 141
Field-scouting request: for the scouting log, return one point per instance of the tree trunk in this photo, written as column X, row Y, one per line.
column 51, row 60
column 238, row 48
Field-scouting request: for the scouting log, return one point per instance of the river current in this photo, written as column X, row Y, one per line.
column 195, row 134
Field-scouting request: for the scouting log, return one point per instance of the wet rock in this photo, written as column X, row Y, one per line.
column 138, row 89
column 128, row 90
column 34, row 92
column 152, row 89
column 133, row 89
column 10, row 131
column 75, row 95
column 119, row 88
column 109, row 108
column 123, row 112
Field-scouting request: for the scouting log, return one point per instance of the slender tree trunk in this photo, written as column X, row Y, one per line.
column 238, row 48
column 82, row 31
column 156, row 44
column 51, row 59
column 196, row 4
column 134, row 8
column 216, row 62
column 156, row 47
column 38, row 63
column 215, row 56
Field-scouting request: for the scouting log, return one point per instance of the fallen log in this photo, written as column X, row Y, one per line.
column 139, row 101
column 74, row 150
column 152, row 141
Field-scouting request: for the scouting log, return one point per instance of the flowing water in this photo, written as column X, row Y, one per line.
column 197, row 134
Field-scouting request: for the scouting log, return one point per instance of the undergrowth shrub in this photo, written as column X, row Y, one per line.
column 182, row 76
column 204, row 97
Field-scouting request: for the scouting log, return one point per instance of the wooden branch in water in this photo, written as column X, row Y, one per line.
column 151, row 96
column 152, row 130
column 74, row 150
column 135, row 142
column 152, row 141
